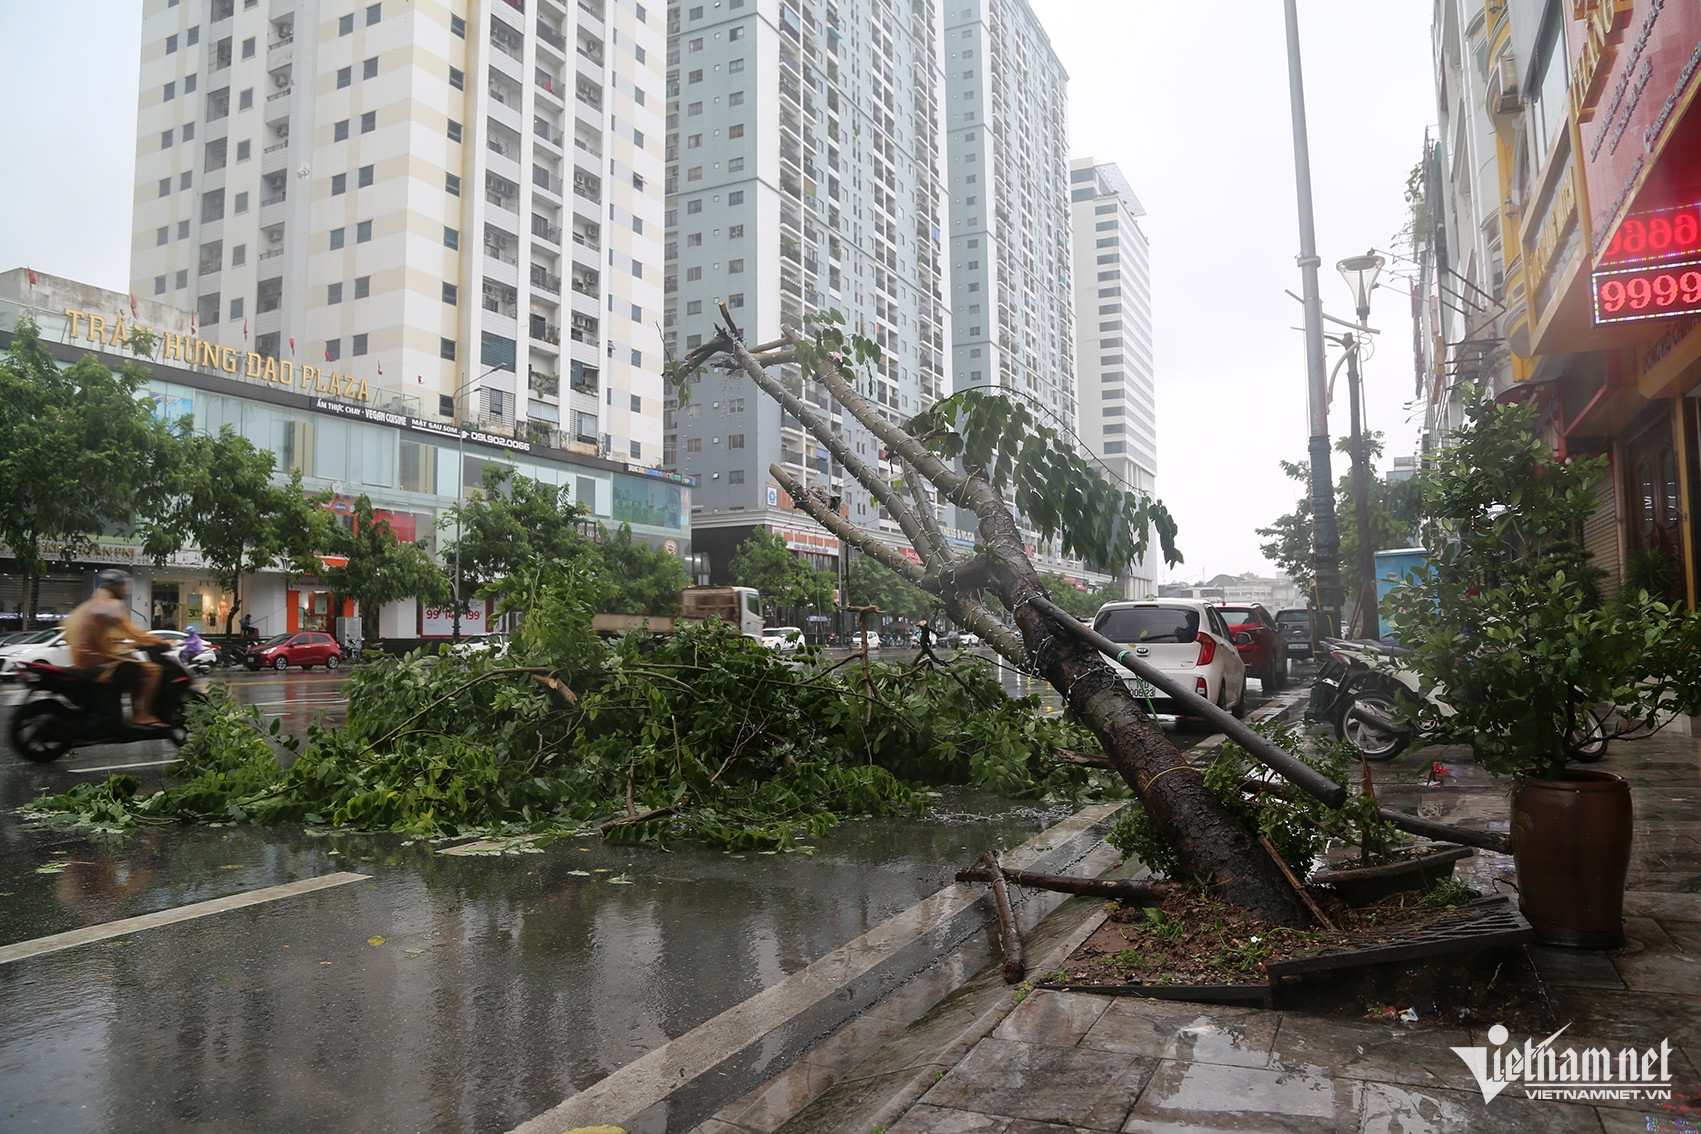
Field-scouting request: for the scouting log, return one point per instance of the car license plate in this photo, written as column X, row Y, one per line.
column 1141, row 690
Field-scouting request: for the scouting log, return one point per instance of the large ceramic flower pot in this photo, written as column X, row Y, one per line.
column 1571, row 843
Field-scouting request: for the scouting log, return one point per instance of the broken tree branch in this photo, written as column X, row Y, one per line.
column 1008, row 937
column 1140, row 893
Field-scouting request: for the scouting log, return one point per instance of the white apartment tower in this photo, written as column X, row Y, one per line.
column 1008, row 129
column 804, row 174
column 458, row 201
column 1113, row 338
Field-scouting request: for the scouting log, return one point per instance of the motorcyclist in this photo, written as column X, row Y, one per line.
column 192, row 646
column 102, row 638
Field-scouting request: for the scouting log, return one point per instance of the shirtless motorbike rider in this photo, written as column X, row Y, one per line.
column 102, row 638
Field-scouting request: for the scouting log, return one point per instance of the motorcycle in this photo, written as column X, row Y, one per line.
column 65, row 709
column 1361, row 690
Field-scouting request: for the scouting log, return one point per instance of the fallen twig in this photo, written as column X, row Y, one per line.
column 1008, row 937
column 1144, row 893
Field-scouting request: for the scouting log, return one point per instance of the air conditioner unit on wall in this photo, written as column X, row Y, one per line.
column 1507, row 71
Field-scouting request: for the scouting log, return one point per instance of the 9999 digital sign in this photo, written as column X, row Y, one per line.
column 1652, row 267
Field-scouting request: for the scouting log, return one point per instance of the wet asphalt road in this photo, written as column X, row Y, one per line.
column 440, row 992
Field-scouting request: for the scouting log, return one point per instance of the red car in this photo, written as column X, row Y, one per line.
column 305, row 648
column 1260, row 643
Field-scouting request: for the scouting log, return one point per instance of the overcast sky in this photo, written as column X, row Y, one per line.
column 1191, row 100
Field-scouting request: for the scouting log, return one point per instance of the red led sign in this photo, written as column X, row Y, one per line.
column 1647, row 293
column 1659, row 234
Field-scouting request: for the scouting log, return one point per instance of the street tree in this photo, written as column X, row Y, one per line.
column 1080, row 603
column 975, row 449
column 82, row 454
column 634, row 578
column 228, row 504
column 511, row 522
column 381, row 567
column 870, row 582
column 763, row 561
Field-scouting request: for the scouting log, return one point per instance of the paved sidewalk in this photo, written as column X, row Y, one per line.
column 988, row 1059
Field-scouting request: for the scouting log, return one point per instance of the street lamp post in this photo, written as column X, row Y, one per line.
column 1326, row 536
column 460, row 487
column 1360, row 273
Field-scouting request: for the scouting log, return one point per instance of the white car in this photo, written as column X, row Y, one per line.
column 43, row 645
column 1188, row 640
column 785, row 639
column 855, row 641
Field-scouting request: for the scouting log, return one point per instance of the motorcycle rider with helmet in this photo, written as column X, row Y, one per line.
column 102, row 635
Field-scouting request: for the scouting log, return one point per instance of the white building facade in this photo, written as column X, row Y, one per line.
column 458, row 203
column 1117, row 393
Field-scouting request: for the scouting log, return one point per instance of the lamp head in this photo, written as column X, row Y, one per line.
column 1360, row 272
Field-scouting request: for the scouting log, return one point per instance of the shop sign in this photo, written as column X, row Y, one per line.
column 815, row 542
column 1651, row 268
column 439, row 621
column 1640, row 86
column 421, row 425
column 1561, row 216
column 1603, row 22
column 661, row 474
column 190, row 351
column 109, row 551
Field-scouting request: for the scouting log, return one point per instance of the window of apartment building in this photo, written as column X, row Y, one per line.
column 446, row 349
column 694, row 444
column 208, row 308
column 736, row 197
column 692, row 275
column 188, row 131
column 362, row 286
column 339, row 132
column 212, row 206
column 735, row 165
column 189, row 84
column 638, row 138
column 451, row 294
column 165, row 139
column 457, row 78
column 369, row 68
column 452, row 184
column 245, row 100
column 736, row 98
column 696, row 13
column 363, row 232
column 735, row 476
column 457, row 27
column 336, row 238
column 695, row 173
column 374, row 13
column 171, row 90
column 240, row 204
column 735, row 66
column 694, row 44
column 694, row 307
column 345, row 24
column 243, row 149
column 736, row 299
column 638, row 182
column 693, row 141
column 735, row 131
column 183, row 230
column 693, row 109
column 454, row 130
column 637, row 450
column 239, row 255
column 365, row 176
column 451, row 236
column 369, row 122
column 181, row 280
column 735, row 34
column 345, row 77
column 333, row 349
column 334, row 293
column 735, row 441
column 972, row 201
column 637, row 313
column 170, row 44
column 359, row 345
column 733, row 267
column 159, row 285
column 692, row 207
column 339, row 184
column 194, row 36
column 162, row 235
column 248, row 48
column 695, row 76
column 693, row 240
column 735, row 232
column 1107, row 258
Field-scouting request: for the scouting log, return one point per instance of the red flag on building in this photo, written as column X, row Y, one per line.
column 31, row 271
column 292, row 346
column 420, row 378
column 192, row 323
column 380, row 367
column 132, row 303
column 327, row 354
column 244, row 330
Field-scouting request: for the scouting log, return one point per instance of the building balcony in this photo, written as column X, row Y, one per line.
column 545, row 280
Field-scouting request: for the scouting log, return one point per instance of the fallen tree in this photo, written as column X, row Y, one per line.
column 999, row 447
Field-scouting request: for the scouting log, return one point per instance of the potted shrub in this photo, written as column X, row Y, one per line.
column 1514, row 652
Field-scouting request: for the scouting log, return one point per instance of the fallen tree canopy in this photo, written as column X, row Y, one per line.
column 702, row 736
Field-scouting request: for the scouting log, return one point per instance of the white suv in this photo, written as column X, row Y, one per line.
column 785, row 639
column 1186, row 639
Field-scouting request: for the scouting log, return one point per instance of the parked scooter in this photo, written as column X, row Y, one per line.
column 1362, row 688
column 66, row 710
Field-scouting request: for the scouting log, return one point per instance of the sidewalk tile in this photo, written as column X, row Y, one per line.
column 1395, row 1110
column 924, row 1119
column 1044, row 1083
column 1185, row 1096
column 1663, row 905
column 1648, row 933
column 1352, row 1049
column 1056, row 1018
column 1627, row 1017
column 1677, row 974
column 1583, row 968
column 1684, row 935
column 1177, row 1030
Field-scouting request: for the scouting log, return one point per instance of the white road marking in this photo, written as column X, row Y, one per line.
column 110, row 929
column 118, row 767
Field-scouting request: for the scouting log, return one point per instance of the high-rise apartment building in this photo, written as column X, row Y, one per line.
column 460, row 203
column 1008, row 130
column 1113, row 338
column 804, row 174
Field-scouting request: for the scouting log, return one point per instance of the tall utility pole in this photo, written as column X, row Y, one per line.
column 1325, row 535
column 1369, row 622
